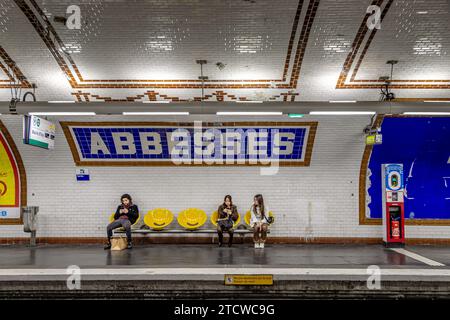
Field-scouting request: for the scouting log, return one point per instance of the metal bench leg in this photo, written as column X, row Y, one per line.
column 33, row 239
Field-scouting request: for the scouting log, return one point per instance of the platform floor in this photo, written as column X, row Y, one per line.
column 210, row 256
column 198, row 271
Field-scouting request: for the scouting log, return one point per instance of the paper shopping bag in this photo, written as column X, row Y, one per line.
column 118, row 244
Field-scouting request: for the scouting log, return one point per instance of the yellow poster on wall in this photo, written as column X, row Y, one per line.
column 9, row 183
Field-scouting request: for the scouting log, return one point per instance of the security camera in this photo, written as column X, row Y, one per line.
column 220, row 65
column 60, row 19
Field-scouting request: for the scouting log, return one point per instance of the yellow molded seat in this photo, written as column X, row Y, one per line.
column 111, row 218
column 248, row 215
column 215, row 215
column 158, row 218
column 192, row 218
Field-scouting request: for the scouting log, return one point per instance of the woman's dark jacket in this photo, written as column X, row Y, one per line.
column 133, row 213
column 222, row 214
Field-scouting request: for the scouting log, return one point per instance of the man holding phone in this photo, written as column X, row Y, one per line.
column 126, row 214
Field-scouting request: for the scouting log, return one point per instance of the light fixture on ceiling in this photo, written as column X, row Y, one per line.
column 341, row 113
column 61, row 101
column 62, row 113
column 249, row 113
column 249, row 101
column 436, row 101
column 176, row 113
column 158, row 101
column 342, row 101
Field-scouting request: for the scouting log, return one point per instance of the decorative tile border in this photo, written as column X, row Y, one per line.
column 44, row 28
column 5, row 62
column 376, row 84
column 152, row 95
column 78, row 162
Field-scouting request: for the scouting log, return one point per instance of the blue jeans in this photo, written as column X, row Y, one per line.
column 125, row 223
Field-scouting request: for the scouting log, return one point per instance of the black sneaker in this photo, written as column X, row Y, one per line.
column 220, row 244
column 107, row 246
column 130, row 245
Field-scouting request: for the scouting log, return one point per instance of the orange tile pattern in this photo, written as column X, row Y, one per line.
column 47, row 32
column 375, row 84
column 7, row 64
column 152, row 95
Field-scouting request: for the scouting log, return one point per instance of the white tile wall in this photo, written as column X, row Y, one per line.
column 316, row 201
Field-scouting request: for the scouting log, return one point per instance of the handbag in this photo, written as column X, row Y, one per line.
column 226, row 224
column 269, row 219
column 118, row 244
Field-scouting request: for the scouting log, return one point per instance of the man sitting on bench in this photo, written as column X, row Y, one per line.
column 126, row 214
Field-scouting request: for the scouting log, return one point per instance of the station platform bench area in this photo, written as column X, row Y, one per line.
column 198, row 271
column 241, row 232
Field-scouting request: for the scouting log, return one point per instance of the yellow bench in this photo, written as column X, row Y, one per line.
column 192, row 218
column 158, row 219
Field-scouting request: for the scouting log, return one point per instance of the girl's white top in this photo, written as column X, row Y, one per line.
column 254, row 218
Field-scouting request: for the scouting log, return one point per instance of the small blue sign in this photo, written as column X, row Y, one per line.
column 83, row 175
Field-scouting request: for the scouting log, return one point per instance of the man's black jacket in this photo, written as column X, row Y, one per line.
column 133, row 213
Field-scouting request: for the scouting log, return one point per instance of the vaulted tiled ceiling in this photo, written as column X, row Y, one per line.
column 290, row 50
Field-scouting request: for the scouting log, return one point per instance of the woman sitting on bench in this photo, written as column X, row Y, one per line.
column 259, row 221
column 126, row 214
column 226, row 216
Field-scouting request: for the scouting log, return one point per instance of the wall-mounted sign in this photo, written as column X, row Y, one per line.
column 374, row 139
column 10, row 184
column 248, row 280
column 134, row 144
column 82, row 174
column 38, row 132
